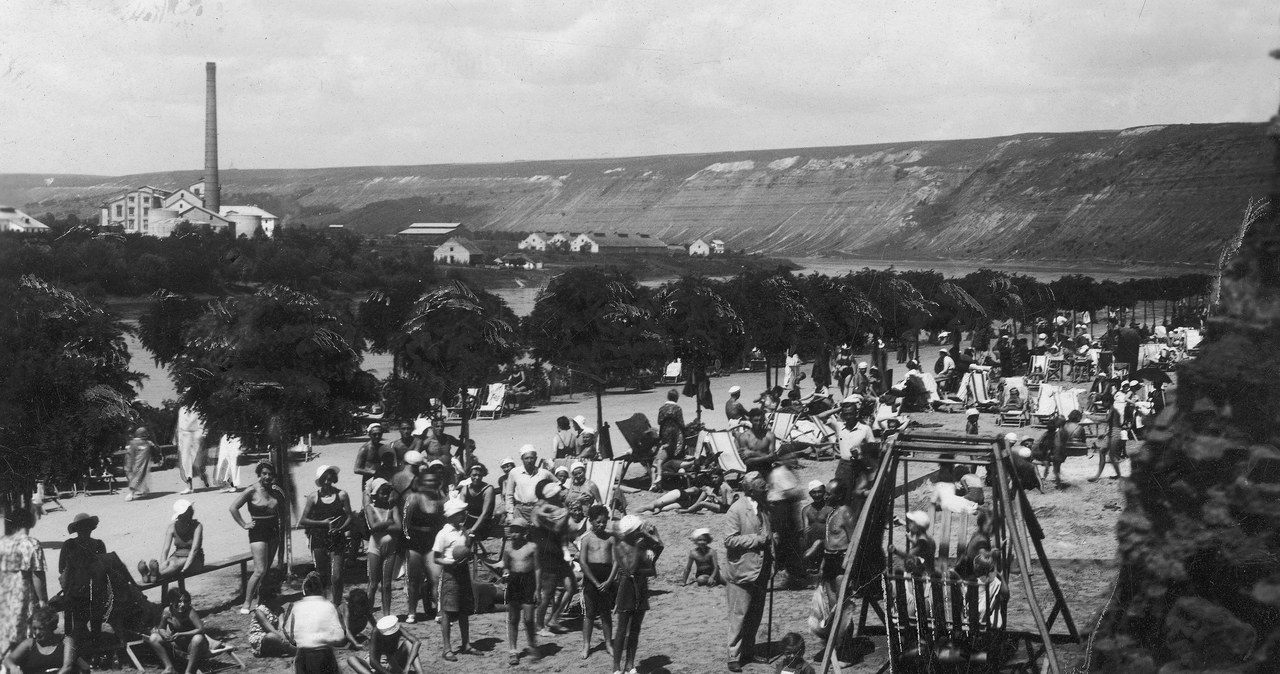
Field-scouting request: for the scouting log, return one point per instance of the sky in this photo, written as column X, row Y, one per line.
column 113, row 87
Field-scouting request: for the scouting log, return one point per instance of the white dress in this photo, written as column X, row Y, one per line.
column 228, row 469
column 190, row 441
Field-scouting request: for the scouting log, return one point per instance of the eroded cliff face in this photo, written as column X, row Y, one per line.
column 1156, row 194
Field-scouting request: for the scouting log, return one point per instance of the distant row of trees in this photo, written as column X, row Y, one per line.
column 284, row 361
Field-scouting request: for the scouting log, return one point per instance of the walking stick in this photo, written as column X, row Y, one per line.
column 773, row 573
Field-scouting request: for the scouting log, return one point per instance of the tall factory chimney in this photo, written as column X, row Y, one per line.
column 212, row 191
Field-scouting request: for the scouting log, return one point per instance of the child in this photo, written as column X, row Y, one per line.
column 595, row 556
column 971, row 424
column 389, row 652
column 520, row 559
column 792, row 661
column 635, row 558
column 456, row 599
column 992, row 597
column 356, row 615
column 179, row 625
column 702, row 560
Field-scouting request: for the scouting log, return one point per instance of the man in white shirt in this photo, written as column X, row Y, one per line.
column 852, row 436
column 520, row 491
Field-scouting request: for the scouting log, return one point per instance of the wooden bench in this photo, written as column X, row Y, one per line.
column 242, row 560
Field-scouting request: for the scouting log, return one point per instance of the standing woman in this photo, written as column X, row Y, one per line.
column 423, row 517
column 1112, row 443
column 83, row 577
column 266, row 502
column 384, row 539
column 481, row 501
column 22, row 586
column 327, row 517
column 137, row 462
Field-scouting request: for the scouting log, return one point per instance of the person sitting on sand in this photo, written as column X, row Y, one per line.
column 264, row 635
column 179, row 626
column 716, row 496
column 313, row 624
column 389, row 651
column 45, row 650
column 702, row 561
column 356, row 614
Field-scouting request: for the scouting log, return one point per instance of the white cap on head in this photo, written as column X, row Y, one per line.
column 735, row 389
column 815, row 485
column 1023, row 451
column 527, row 450
column 862, row 365
column 377, row 483
column 454, row 506
column 414, row 458
column 581, row 420
column 551, row 489
column 561, row 469
column 699, row 533
column 919, row 518
column 320, row 471
column 507, row 462
column 180, row 507
column 374, row 427
column 1011, row 438
column 576, row 465
column 420, row 425
column 629, row 524
column 388, row 625
column 971, row 412
column 852, row 399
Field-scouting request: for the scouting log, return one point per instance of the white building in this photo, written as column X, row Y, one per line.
column 459, row 250
column 600, row 242
column 14, row 220
column 249, row 219
column 535, row 241
column 156, row 212
column 560, row 240
column 717, row 247
column 699, row 248
column 432, row 234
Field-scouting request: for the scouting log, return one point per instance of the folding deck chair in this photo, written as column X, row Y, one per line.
column 671, row 374
column 937, row 401
column 1046, row 404
column 975, row 390
column 495, row 405
column 465, row 406
column 943, row 621
column 721, row 446
column 1012, row 414
column 1039, row 368
column 782, row 423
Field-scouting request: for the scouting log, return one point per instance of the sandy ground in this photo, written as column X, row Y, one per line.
column 685, row 630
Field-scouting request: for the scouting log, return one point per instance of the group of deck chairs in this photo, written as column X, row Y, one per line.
column 489, row 403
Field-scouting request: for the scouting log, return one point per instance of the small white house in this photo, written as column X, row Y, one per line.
column 14, row 220
column 535, row 241
column 459, row 250
column 583, row 243
column 250, row 218
column 717, row 247
column 699, row 248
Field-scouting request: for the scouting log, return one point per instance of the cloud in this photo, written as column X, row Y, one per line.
column 116, row 86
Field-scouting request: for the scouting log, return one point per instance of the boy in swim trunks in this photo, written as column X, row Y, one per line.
column 635, row 559
column 702, row 561
column 520, row 559
column 595, row 556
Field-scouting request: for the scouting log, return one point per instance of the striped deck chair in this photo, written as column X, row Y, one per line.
column 975, row 390
column 1039, row 368
column 721, row 445
column 495, row 405
column 671, row 374
column 468, row 406
column 1046, row 404
column 937, row 401
column 607, row 475
column 782, row 423
column 1014, row 400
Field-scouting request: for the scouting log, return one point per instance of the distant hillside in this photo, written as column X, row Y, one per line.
column 1161, row 194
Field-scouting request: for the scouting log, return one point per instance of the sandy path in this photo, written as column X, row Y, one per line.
column 685, row 630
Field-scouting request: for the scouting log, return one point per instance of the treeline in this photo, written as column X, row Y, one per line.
column 196, row 260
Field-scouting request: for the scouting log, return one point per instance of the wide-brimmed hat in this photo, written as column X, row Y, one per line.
column 180, row 508
column 629, row 524
column 388, row 625
column 454, row 506
column 82, row 520
column 580, row 420
column 320, row 471
column 919, row 518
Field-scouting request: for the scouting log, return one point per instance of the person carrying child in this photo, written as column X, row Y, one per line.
column 520, row 559
column 595, row 556
column 635, row 558
column 702, row 561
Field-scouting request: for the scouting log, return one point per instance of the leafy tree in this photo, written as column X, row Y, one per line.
column 841, row 314
column 596, row 322
column 454, row 338
column 161, row 325
column 272, row 367
column 773, row 312
column 896, row 300
column 701, row 325
column 65, row 384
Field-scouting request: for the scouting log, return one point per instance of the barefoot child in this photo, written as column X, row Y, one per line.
column 595, row 555
column 702, row 560
column 635, row 559
column 520, row 559
column 451, row 551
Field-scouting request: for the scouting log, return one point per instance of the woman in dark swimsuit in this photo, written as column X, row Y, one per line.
column 423, row 518
column 266, row 510
column 46, row 650
column 481, row 498
column 327, row 518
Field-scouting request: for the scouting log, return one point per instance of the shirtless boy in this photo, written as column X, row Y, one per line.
column 595, row 556
column 702, row 561
column 520, row 559
column 635, row 559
